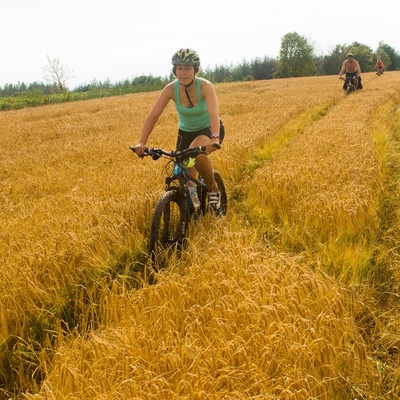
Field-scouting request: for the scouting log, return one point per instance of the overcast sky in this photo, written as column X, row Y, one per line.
column 119, row 39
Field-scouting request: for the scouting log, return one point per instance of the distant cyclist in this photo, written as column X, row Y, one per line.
column 379, row 67
column 199, row 122
column 352, row 68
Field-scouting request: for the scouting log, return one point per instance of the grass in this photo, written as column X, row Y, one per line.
column 292, row 296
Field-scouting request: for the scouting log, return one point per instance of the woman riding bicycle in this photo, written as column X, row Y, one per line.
column 199, row 123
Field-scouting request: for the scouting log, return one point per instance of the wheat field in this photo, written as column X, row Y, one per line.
column 292, row 295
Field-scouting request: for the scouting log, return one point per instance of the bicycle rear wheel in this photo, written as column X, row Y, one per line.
column 169, row 227
column 224, row 198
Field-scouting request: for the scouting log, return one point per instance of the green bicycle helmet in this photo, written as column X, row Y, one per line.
column 186, row 57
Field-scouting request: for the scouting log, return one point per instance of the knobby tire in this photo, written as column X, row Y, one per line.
column 169, row 227
column 224, row 198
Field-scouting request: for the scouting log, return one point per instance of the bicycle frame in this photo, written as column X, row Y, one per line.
column 350, row 83
column 184, row 177
column 351, row 80
column 172, row 212
column 180, row 172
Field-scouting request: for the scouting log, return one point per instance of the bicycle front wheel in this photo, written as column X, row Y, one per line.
column 169, row 227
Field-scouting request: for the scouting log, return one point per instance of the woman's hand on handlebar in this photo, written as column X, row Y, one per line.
column 140, row 149
column 212, row 147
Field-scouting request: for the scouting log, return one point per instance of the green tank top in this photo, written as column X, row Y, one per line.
column 195, row 118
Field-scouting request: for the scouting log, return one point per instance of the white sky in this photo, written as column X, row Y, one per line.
column 119, row 39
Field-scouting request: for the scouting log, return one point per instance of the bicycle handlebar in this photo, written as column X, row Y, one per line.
column 156, row 153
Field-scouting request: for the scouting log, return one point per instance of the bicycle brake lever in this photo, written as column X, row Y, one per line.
column 155, row 155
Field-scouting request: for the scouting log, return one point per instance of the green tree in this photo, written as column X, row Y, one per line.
column 295, row 57
column 221, row 73
column 381, row 53
column 362, row 53
column 263, row 68
column 331, row 63
column 392, row 60
column 241, row 71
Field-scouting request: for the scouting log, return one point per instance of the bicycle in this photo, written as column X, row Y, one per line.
column 175, row 208
column 350, row 84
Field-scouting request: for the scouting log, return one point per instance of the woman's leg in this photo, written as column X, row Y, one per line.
column 203, row 163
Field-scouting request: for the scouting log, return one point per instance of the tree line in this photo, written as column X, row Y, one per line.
column 296, row 58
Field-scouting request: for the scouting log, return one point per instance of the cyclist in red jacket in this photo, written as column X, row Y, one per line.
column 379, row 67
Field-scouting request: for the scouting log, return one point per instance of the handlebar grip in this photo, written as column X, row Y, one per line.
column 142, row 155
column 204, row 148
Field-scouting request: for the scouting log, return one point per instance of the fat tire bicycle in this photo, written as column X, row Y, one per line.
column 350, row 84
column 175, row 210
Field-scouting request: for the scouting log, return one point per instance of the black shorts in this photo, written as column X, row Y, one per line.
column 186, row 138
